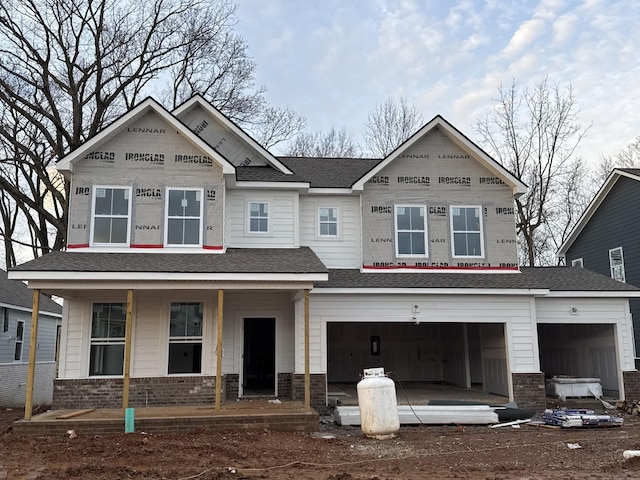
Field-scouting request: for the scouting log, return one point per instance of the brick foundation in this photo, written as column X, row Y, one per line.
column 631, row 386
column 318, row 389
column 284, row 385
column 231, row 387
column 529, row 390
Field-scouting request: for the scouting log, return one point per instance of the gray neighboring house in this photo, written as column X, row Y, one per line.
column 605, row 239
column 16, row 302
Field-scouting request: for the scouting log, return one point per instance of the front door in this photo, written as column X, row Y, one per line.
column 259, row 359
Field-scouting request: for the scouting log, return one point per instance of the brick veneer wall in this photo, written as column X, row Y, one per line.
column 152, row 392
column 231, row 386
column 631, row 385
column 318, row 389
column 529, row 391
column 284, row 386
column 13, row 384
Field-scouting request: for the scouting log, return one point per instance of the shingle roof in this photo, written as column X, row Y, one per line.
column 234, row 260
column 552, row 278
column 13, row 292
column 319, row 172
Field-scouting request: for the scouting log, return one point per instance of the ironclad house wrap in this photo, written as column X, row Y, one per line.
column 200, row 268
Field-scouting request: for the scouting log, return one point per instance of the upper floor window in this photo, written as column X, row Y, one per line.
column 466, row 231
column 577, row 262
column 17, row 356
column 185, row 338
column 258, row 217
column 411, row 230
column 328, row 222
column 184, row 217
column 616, row 262
column 111, row 216
column 108, row 322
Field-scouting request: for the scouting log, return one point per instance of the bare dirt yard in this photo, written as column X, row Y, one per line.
column 332, row 453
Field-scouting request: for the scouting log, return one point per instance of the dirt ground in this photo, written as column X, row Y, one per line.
column 332, row 453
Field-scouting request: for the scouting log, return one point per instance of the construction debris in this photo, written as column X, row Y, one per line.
column 579, row 417
column 632, row 407
column 428, row 415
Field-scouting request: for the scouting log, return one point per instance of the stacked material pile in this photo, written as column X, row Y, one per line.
column 579, row 417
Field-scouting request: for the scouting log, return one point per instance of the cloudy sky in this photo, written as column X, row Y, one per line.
column 332, row 61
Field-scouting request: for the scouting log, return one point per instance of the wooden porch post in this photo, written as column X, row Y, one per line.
column 127, row 351
column 33, row 343
column 307, row 376
column 219, row 351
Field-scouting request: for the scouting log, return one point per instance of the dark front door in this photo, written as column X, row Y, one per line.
column 259, row 360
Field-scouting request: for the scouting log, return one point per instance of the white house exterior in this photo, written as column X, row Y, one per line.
column 198, row 263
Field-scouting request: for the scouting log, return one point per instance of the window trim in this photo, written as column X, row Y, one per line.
column 621, row 266
column 200, row 218
column 19, row 341
column 453, row 232
column 319, row 223
column 268, row 218
column 577, row 262
column 187, row 339
column 104, row 340
column 127, row 243
column 425, row 231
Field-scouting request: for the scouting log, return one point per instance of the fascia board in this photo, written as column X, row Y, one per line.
column 319, row 290
column 595, row 294
column 592, row 208
column 272, row 185
column 146, row 106
column 71, row 289
column 199, row 100
column 462, row 141
column 99, row 277
column 332, row 191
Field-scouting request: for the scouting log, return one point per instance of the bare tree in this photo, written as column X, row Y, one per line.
column 70, row 67
column 333, row 144
column 275, row 125
column 390, row 124
column 534, row 134
column 628, row 157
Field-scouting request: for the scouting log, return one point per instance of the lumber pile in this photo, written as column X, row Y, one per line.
column 579, row 417
column 428, row 415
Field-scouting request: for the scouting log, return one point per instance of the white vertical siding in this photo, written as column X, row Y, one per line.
column 341, row 252
column 283, row 219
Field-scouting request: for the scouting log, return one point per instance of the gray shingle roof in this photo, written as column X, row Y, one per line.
column 552, row 278
column 234, row 260
column 319, row 172
column 13, row 292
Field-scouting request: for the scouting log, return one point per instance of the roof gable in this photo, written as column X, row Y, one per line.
column 224, row 135
column 592, row 208
column 459, row 140
column 145, row 108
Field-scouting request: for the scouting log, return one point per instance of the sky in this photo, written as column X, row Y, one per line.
column 333, row 61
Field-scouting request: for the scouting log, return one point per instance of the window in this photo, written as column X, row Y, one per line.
column 108, row 322
column 185, row 338
column 258, row 217
column 17, row 356
column 411, row 230
column 184, row 217
column 111, row 213
column 616, row 262
column 328, row 222
column 466, row 231
column 577, row 262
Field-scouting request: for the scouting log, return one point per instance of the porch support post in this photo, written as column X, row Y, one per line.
column 219, row 351
column 33, row 343
column 307, row 376
column 127, row 351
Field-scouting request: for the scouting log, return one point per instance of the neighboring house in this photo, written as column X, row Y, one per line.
column 279, row 276
column 16, row 302
column 605, row 239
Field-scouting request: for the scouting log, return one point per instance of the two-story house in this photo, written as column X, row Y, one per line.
column 197, row 262
column 605, row 238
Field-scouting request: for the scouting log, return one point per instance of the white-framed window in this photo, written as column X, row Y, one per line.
column 108, row 324
column 466, row 231
column 17, row 355
column 111, row 216
column 616, row 263
column 577, row 262
column 184, row 208
column 185, row 338
column 258, row 217
column 411, row 230
column 328, row 222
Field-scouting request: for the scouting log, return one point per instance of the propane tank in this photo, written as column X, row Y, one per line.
column 378, row 405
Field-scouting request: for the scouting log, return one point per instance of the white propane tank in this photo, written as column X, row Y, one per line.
column 378, row 405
